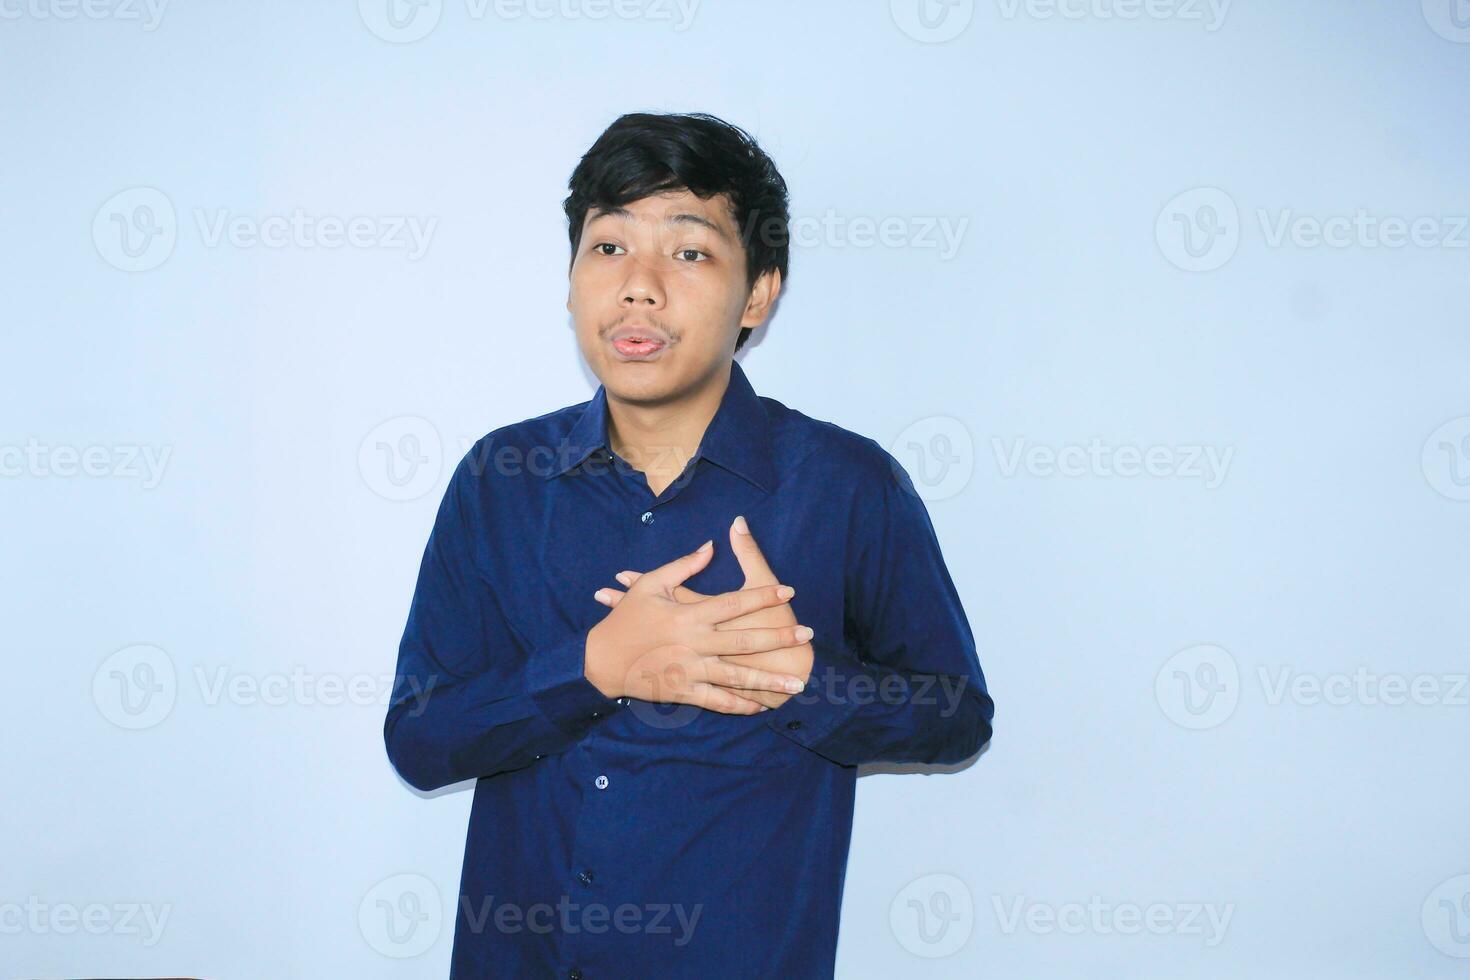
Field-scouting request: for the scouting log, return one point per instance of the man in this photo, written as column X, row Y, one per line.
column 665, row 774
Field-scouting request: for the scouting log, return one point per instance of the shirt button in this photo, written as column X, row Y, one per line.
column 793, row 725
column 647, row 517
column 576, row 974
column 600, row 782
column 622, row 700
column 585, row 877
column 597, row 714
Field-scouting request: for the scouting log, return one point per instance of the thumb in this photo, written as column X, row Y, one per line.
column 665, row 577
column 748, row 553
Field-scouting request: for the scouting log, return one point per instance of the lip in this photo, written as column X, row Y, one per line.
column 620, row 341
column 625, row 353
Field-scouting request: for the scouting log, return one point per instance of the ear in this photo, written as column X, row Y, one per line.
column 762, row 297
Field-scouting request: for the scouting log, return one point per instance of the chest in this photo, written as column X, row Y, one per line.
column 569, row 540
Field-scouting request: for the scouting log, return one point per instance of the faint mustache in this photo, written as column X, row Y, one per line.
column 653, row 322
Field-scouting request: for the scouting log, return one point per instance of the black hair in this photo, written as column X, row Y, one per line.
column 642, row 153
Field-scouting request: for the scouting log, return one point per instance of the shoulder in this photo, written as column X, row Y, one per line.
column 530, row 447
column 813, row 441
column 818, row 449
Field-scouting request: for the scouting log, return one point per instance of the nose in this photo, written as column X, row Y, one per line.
column 643, row 286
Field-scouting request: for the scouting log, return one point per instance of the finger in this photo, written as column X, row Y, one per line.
column 752, row 560
column 770, row 699
column 766, row 699
column 729, row 605
column 726, row 674
column 666, row 576
column 714, row 698
column 609, row 597
column 681, row 593
column 755, row 639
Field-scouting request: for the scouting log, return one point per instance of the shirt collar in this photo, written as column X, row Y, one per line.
column 738, row 438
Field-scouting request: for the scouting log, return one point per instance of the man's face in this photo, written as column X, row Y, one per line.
column 669, row 268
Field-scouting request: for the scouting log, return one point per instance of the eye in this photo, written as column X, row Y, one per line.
column 602, row 245
column 692, row 251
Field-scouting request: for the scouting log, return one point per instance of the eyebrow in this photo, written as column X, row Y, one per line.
column 680, row 218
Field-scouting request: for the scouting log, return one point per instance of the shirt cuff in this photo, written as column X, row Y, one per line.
column 557, row 683
column 832, row 695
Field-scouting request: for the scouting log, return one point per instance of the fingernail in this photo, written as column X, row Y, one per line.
column 600, row 595
column 622, row 577
column 793, row 685
column 740, row 526
column 706, row 546
column 765, row 707
column 803, row 633
column 785, row 592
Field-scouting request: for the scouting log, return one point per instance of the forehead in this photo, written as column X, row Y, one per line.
column 680, row 207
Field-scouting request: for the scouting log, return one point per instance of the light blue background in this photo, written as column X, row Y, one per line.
column 1335, row 378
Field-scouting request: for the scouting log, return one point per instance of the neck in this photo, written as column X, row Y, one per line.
column 660, row 439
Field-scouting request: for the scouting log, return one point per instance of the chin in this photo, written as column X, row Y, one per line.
column 637, row 384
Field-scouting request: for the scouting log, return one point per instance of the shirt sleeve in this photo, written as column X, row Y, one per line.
column 467, row 701
column 904, row 682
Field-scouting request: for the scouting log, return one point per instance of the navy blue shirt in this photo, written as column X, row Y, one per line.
column 622, row 838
